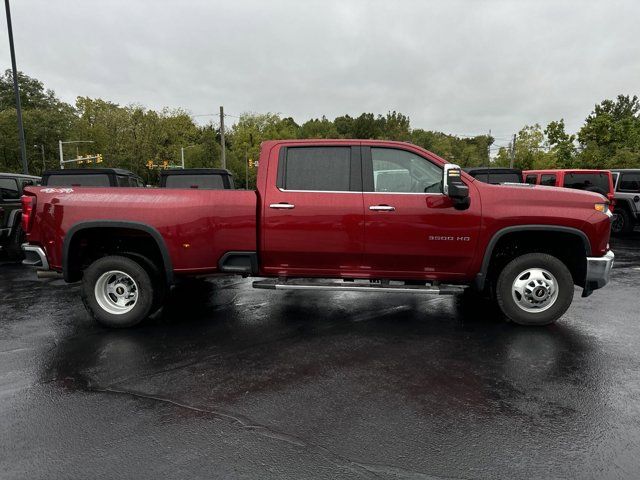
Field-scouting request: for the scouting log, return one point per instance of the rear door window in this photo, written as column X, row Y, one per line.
column 531, row 178
column 88, row 180
column 317, row 168
column 9, row 189
column 548, row 179
column 201, row 182
column 630, row 182
column 590, row 181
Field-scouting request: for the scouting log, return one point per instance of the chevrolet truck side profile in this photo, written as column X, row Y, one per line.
column 357, row 215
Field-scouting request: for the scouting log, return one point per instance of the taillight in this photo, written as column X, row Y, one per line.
column 28, row 211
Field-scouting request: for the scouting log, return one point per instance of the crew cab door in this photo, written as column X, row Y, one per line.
column 312, row 211
column 412, row 230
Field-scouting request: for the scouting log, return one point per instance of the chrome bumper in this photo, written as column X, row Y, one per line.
column 598, row 272
column 35, row 257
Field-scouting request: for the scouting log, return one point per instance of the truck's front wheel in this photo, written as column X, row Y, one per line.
column 117, row 291
column 534, row 289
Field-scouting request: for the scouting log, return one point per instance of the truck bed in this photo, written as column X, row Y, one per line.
column 198, row 226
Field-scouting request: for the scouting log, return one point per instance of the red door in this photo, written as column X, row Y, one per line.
column 312, row 223
column 412, row 229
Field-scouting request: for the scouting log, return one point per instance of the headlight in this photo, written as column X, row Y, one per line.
column 603, row 208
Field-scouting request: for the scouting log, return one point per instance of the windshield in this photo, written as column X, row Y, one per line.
column 202, row 182
column 79, row 180
column 495, row 178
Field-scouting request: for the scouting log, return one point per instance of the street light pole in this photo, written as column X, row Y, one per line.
column 16, row 91
column 182, row 149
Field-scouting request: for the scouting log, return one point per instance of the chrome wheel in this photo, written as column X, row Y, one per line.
column 116, row 292
column 535, row 290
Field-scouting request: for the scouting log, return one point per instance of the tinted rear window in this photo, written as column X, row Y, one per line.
column 532, row 179
column 8, row 189
column 202, row 182
column 592, row 182
column 318, row 168
column 548, row 180
column 89, row 180
column 496, row 178
column 630, row 182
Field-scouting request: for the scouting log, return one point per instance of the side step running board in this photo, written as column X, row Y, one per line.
column 309, row 284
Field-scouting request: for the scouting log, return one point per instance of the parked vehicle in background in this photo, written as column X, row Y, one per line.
column 319, row 220
column 197, row 178
column 627, row 193
column 11, row 187
column 91, row 177
column 598, row 181
column 495, row 175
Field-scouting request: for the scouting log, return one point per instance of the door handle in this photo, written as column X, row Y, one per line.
column 282, row 205
column 383, row 208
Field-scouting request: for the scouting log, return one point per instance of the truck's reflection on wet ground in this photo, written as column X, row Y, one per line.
column 229, row 382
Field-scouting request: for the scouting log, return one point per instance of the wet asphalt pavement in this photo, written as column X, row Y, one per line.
column 231, row 382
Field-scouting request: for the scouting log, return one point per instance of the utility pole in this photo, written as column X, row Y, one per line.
column 513, row 151
column 182, row 156
column 224, row 157
column 246, row 169
column 16, row 91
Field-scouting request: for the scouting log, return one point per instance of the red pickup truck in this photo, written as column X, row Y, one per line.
column 371, row 216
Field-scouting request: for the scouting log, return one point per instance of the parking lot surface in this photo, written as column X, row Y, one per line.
column 231, row 382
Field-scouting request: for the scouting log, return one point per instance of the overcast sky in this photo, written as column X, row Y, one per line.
column 463, row 66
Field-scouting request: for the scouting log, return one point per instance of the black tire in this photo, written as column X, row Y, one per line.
column 14, row 245
column 157, row 278
column 621, row 223
column 564, row 288
column 145, row 291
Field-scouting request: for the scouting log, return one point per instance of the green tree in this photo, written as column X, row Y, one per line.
column 530, row 149
column 46, row 120
column 613, row 126
column 318, row 128
column 562, row 147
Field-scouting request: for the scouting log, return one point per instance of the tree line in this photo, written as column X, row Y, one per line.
column 131, row 136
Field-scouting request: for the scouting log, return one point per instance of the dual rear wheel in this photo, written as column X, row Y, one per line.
column 120, row 292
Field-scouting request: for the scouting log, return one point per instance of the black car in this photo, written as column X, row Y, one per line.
column 200, row 178
column 11, row 186
column 91, row 177
column 495, row 175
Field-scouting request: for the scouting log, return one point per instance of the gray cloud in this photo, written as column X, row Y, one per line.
column 462, row 66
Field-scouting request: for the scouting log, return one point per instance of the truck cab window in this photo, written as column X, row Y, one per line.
column 400, row 171
column 318, row 168
column 532, row 179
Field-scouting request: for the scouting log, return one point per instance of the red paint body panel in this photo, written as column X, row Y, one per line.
column 198, row 226
column 327, row 234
